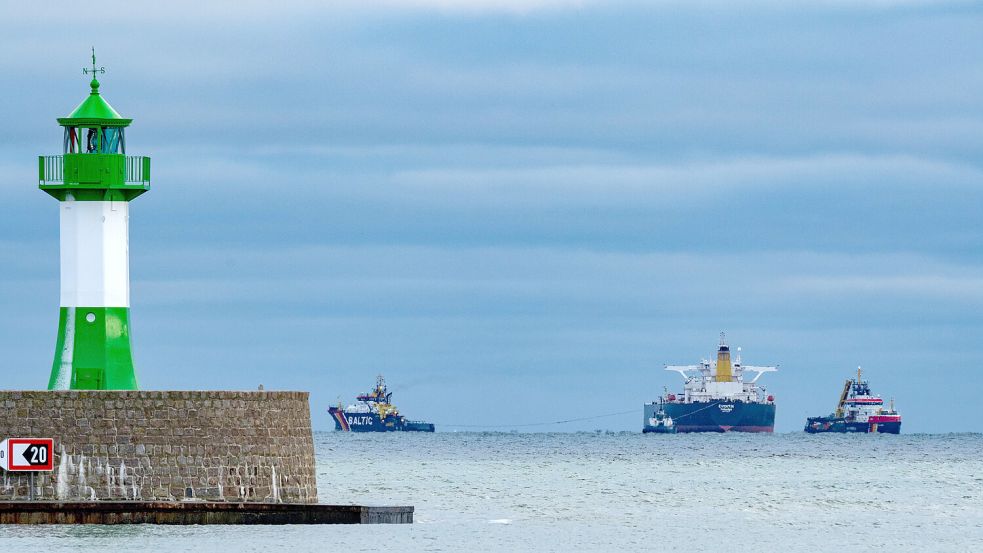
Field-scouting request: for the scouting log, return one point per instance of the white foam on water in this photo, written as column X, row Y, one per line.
column 122, row 479
column 81, row 483
column 109, row 480
column 500, row 521
column 274, row 485
column 242, row 482
column 64, row 468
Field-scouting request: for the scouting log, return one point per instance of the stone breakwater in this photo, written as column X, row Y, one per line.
column 165, row 445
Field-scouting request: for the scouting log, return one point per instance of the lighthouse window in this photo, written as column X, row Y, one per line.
column 112, row 141
column 71, row 140
column 91, row 141
column 101, row 140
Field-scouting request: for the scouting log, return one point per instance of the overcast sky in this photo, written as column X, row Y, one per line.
column 519, row 211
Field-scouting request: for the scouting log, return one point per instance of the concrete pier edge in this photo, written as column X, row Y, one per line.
column 196, row 512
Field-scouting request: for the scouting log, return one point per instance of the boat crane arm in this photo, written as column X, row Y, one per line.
column 759, row 370
column 683, row 369
column 842, row 402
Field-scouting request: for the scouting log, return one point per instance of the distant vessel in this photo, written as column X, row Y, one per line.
column 716, row 398
column 660, row 423
column 375, row 413
column 857, row 411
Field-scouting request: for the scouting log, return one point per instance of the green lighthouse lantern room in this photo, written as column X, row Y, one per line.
column 94, row 180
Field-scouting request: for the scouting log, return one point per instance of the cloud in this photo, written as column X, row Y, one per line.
column 687, row 182
column 406, row 281
column 510, row 6
column 963, row 289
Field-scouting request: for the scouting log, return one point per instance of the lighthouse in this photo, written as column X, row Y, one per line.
column 94, row 181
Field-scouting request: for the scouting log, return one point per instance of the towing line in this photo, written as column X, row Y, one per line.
column 565, row 421
column 698, row 410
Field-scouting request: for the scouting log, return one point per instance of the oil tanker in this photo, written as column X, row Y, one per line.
column 858, row 411
column 716, row 397
column 375, row 412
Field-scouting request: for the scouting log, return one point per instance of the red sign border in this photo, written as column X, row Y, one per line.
column 50, row 442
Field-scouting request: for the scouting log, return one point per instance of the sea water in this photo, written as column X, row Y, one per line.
column 610, row 492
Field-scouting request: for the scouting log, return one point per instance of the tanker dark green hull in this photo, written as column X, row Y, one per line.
column 717, row 416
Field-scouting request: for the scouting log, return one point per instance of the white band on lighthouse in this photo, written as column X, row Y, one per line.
column 95, row 269
column 93, row 347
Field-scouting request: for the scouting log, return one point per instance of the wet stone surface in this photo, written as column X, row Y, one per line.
column 165, row 445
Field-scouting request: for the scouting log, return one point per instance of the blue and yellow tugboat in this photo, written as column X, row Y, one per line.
column 857, row 411
column 375, row 412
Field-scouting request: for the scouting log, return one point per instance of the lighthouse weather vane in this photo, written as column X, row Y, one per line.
column 94, row 70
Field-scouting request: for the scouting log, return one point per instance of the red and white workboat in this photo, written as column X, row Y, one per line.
column 858, row 411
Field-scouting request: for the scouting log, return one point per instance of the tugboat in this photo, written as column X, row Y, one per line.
column 660, row 423
column 716, row 398
column 857, row 411
column 375, row 413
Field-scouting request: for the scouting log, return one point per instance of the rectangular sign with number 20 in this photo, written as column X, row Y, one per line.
column 27, row 454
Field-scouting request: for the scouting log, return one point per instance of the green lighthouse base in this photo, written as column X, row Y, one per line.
column 93, row 350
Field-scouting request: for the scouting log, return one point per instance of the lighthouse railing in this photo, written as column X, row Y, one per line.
column 137, row 170
column 51, row 169
column 132, row 170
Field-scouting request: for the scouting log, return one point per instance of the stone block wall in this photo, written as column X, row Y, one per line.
column 165, row 445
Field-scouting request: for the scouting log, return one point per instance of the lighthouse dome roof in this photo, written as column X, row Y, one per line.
column 94, row 110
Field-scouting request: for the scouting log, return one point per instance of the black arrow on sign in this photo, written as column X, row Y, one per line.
column 31, row 454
